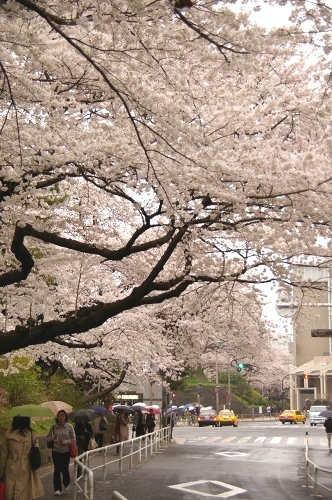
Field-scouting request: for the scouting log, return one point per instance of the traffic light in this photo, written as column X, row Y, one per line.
column 240, row 366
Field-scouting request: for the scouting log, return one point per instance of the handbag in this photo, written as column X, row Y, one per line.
column 73, row 450
column 50, row 444
column 34, row 455
column 92, row 444
column 2, row 490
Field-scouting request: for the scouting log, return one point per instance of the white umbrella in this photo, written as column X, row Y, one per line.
column 56, row 406
column 138, row 404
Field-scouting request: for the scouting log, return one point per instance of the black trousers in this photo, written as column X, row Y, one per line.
column 61, row 466
column 140, row 430
column 99, row 439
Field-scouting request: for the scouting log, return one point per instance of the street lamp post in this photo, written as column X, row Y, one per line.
column 282, row 391
column 218, row 344
column 152, row 380
column 229, row 395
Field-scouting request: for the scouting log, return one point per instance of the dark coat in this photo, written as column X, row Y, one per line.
column 328, row 425
column 150, row 422
column 83, row 432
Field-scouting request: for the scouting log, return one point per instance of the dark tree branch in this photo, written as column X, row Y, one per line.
column 94, row 397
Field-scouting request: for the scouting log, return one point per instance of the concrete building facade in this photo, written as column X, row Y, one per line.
column 311, row 374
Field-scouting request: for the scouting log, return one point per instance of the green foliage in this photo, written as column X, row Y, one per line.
column 236, row 379
column 25, row 386
column 59, row 389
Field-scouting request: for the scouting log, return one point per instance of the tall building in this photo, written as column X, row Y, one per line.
column 311, row 373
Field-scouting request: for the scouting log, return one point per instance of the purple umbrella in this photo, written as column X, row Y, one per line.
column 125, row 408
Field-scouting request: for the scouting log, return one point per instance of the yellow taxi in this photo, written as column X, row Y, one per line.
column 292, row 416
column 227, row 417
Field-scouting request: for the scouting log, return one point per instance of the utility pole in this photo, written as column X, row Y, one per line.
column 218, row 344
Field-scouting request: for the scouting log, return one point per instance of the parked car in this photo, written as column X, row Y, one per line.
column 292, row 416
column 314, row 412
column 207, row 416
column 227, row 417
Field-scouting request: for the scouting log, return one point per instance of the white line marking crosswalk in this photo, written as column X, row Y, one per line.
column 263, row 440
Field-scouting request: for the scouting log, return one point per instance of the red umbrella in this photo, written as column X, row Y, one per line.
column 155, row 409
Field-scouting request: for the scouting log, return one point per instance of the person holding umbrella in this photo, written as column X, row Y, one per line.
column 139, row 423
column 121, row 427
column 328, row 429
column 21, row 481
column 61, row 434
column 150, row 421
column 99, row 427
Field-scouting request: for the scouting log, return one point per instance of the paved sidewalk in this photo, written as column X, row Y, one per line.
column 46, row 473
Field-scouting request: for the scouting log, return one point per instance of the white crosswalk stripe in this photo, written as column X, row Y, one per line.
column 264, row 440
column 260, row 439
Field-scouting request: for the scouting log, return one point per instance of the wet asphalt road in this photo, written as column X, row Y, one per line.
column 251, row 462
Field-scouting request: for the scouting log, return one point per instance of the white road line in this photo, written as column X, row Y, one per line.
column 244, row 439
column 260, row 439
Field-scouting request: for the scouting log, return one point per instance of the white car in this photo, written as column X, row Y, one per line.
column 314, row 412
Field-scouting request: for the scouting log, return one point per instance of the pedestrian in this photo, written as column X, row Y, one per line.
column 99, row 426
column 171, row 422
column 21, row 481
column 62, row 434
column 83, row 433
column 139, row 423
column 121, row 428
column 328, row 428
column 150, row 421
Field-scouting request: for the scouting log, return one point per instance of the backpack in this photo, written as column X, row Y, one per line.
column 103, row 425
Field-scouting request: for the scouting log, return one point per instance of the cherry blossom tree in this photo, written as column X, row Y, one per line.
column 147, row 148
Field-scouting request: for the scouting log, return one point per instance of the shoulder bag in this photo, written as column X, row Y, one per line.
column 72, row 450
column 92, row 444
column 35, row 455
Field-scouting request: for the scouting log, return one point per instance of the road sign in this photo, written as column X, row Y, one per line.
column 286, row 308
column 321, row 333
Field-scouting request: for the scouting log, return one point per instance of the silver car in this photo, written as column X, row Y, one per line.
column 314, row 412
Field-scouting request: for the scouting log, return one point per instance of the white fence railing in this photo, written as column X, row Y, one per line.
column 117, row 496
column 139, row 448
column 314, row 473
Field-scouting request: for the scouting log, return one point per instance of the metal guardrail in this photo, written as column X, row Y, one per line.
column 313, row 472
column 117, row 496
column 148, row 444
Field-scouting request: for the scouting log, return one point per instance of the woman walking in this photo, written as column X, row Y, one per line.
column 62, row 434
column 21, row 481
column 121, row 429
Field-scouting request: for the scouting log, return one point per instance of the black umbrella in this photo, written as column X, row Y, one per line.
column 102, row 410
column 83, row 415
column 125, row 408
column 326, row 414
